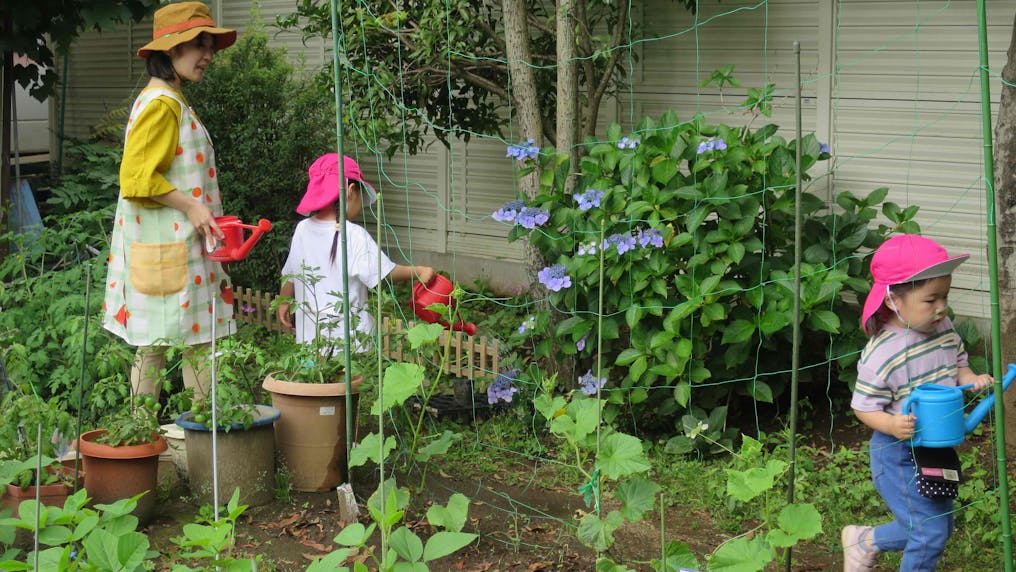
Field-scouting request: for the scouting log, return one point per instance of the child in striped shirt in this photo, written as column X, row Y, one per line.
column 912, row 343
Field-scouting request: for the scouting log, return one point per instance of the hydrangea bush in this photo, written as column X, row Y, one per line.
column 694, row 224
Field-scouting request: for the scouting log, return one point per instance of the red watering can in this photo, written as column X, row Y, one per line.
column 234, row 248
column 437, row 291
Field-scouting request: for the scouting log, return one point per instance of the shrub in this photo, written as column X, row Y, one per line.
column 693, row 224
column 267, row 127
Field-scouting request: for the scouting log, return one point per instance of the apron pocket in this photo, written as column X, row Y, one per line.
column 158, row 269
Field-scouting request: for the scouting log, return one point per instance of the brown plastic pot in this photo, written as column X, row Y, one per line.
column 49, row 495
column 114, row 473
column 310, row 434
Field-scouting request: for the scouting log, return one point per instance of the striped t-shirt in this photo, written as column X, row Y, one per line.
column 896, row 360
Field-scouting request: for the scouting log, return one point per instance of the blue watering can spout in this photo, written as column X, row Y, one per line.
column 981, row 411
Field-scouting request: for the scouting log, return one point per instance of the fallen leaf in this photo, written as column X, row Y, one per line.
column 315, row 545
column 536, row 566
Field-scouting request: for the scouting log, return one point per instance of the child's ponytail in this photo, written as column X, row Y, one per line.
column 338, row 228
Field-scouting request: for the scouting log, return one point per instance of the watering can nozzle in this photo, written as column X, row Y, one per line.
column 939, row 412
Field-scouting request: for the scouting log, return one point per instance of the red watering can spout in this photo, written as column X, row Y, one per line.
column 234, row 248
column 437, row 291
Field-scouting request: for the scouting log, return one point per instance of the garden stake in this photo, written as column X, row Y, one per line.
column 345, row 492
column 38, row 489
column 215, row 424
column 996, row 324
column 81, row 385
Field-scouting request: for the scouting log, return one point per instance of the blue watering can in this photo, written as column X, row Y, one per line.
column 939, row 411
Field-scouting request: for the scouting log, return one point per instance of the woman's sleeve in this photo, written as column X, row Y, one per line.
column 149, row 152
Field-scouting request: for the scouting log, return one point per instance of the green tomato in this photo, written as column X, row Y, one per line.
column 200, row 418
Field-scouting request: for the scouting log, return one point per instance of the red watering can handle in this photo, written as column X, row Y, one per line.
column 263, row 226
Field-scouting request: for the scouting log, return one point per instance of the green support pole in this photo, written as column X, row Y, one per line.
column 996, row 326
column 346, row 344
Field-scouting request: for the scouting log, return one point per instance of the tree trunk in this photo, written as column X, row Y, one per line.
column 567, row 88
column 1005, row 214
column 526, row 103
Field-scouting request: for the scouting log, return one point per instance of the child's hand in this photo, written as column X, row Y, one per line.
column 980, row 382
column 284, row 316
column 424, row 273
column 902, row 426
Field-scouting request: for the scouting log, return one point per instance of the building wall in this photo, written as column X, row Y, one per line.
column 892, row 86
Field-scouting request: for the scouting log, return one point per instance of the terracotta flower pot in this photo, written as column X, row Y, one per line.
column 49, row 495
column 310, row 435
column 114, row 473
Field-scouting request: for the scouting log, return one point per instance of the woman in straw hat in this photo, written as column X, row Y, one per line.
column 161, row 288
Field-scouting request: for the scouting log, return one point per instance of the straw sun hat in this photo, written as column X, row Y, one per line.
column 178, row 23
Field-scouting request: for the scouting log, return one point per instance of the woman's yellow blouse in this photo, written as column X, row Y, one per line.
column 149, row 152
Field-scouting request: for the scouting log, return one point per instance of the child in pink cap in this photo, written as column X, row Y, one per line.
column 313, row 254
column 912, row 343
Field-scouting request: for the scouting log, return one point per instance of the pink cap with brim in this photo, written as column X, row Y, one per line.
column 323, row 186
column 902, row 259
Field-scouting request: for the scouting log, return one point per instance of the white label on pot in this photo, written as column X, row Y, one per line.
column 326, row 411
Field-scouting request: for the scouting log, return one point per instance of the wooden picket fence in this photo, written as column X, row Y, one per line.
column 471, row 357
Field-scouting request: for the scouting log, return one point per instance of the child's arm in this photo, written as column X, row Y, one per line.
column 288, row 290
column 403, row 273
column 981, row 382
column 899, row 426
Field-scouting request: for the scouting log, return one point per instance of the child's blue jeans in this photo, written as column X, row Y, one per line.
column 922, row 525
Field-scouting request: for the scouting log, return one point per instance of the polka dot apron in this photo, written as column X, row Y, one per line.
column 160, row 285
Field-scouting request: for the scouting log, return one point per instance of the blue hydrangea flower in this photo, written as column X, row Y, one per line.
column 649, row 237
column 626, row 143
column 509, row 212
column 586, row 248
column 590, row 383
column 555, row 277
column 532, row 217
column 623, row 242
column 581, row 344
column 823, row 148
column 720, row 145
column 523, row 151
column 503, row 387
column 589, row 199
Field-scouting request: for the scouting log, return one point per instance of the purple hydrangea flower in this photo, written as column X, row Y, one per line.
column 503, row 387
column 555, row 277
column 586, row 248
column 590, row 383
column 823, row 148
column 509, row 212
column 523, row 151
column 581, row 344
column 623, row 242
column 626, row 143
column 711, row 145
column 532, row 217
column 589, row 199
column 649, row 237
column 247, row 309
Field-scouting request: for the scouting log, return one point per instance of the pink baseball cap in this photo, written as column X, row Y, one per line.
column 323, row 186
column 902, row 259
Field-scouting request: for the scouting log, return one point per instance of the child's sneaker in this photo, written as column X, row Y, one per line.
column 858, row 555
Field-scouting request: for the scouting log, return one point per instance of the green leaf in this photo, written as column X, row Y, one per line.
column 824, row 320
column 761, row 391
column 401, row 381
column 748, row 484
column 608, row 565
column 628, row 356
column 451, row 517
column 796, row 522
column 423, row 334
column 742, row 555
column 369, row 449
column 676, row 556
column 738, row 331
column 354, row 534
column 621, row 455
column 637, row 496
column 330, row 563
column 437, row 446
column 682, row 393
column 773, row 321
column 444, row 543
column 599, row 534
column 406, row 544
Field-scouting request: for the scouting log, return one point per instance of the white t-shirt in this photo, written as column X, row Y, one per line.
column 311, row 247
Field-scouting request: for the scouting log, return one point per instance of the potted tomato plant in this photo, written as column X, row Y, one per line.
column 121, row 459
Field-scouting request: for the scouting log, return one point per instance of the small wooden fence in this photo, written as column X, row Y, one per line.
column 472, row 357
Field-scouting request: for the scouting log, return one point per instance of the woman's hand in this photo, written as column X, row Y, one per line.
column 203, row 220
